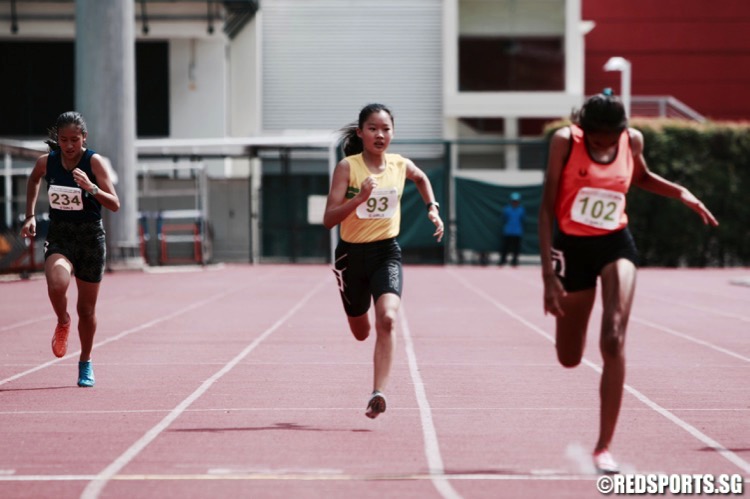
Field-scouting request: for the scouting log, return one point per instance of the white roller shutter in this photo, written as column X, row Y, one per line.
column 323, row 60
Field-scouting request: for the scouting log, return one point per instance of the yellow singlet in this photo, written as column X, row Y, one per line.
column 380, row 216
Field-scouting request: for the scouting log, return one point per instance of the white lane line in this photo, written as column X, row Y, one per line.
column 26, row 322
column 46, row 317
column 349, row 409
column 692, row 306
column 733, row 295
column 689, row 338
column 542, row 475
column 431, row 446
column 95, row 487
column 710, row 442
column 531, row 476
column 127, row 332
column 45, row 478
column 673, row 332
column 135, row 329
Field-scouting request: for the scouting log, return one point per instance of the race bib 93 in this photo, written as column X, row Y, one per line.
column 382, row 203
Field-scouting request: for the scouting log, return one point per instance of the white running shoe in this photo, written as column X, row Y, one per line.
column 376, row 405
column 605, row 463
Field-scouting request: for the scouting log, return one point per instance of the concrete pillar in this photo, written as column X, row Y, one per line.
column 9, row 191
column 105, row 96
column 450, row 134
column 512, row 154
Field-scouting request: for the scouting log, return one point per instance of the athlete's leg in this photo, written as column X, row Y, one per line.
column 386, row 309
column 57, row 270
column 618, row 287
column 360, row 326
column 355, row 293
column 570, row 333
column 88, row 292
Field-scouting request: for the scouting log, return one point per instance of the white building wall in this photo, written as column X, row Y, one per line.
column 512, row 17
column 244, row 81
column 530, row 17
column 324, row 60
column 197, row 88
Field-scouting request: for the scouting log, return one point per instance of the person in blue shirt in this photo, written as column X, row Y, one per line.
column 513, row 215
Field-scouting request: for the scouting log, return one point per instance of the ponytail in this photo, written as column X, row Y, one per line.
column 350, row 141
column 65, row 119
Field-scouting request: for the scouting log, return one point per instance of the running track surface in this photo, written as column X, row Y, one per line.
column 243, row 381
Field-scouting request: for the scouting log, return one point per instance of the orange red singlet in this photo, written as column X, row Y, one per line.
column 591, row 195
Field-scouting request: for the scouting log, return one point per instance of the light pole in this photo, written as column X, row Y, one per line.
column 623, row 65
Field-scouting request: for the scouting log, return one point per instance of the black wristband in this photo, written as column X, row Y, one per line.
column 29, row 217
column 435, row 204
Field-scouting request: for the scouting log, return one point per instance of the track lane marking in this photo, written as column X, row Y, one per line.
column 132, row 330
column 668, row 330
column 690, row 338
column 531, row 476
column 431, row 445
column 97, row 484
column 727, row 454
column 349, row 409
column 710, row 310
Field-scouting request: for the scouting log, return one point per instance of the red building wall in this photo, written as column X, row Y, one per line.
column 695, row 50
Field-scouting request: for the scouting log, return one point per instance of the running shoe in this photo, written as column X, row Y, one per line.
column 376, row 405
column 86, row 374
column 60, row 338
column 605, row 463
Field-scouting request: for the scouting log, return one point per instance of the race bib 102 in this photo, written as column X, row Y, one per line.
column 600, row 208
column 65, row 198
column 382, row 203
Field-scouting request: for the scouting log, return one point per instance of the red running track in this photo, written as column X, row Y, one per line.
column 243, row 381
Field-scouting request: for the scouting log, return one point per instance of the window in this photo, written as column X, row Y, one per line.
column 503, row 64
column 40, row 77
column 37, row 84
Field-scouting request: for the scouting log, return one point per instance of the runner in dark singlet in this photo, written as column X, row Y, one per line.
column 78, row 185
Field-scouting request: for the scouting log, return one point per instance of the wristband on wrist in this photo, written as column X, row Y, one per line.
column 435, row 204
column 29, row 217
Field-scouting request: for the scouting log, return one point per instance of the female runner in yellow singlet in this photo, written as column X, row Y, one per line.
column 364, row 200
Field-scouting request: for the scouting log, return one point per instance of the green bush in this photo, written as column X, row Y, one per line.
column 713, row 161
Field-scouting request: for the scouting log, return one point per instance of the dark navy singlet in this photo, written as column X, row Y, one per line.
column 57, row 175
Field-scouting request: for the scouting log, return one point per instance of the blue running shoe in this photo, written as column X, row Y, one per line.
column 86, row 374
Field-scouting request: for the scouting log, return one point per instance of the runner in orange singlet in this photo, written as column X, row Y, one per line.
column 592, row 163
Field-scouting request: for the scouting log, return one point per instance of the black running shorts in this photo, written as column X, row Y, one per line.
column 82, row 243
column 366, row 271
column 580, row 259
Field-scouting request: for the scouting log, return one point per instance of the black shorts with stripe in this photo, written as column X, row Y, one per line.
column 580, row 259
column 366, row 271
column 82, row 243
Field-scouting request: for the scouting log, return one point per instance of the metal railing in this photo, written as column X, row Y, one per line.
column 663, row 106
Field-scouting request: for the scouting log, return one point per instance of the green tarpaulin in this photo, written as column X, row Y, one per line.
column 479, row 217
